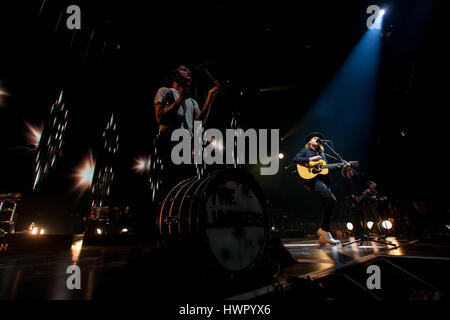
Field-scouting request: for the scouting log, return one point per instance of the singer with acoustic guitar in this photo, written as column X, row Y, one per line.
column 313, row 167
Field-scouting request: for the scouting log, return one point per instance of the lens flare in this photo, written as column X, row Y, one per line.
column 3, row 93
column 141, row 164
column 33, row 134
column 85, row 173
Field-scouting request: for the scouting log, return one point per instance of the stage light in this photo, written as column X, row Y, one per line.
column 382, row 12
column 85, row 173
column 387, row 224
column 448, row 226
column 281, row 155
column 142, row 164
column 34, row 230
column 42, row 231
column 369, row 224
column 350, row 226
column 99, row 231
column 3, row 93
column 124, row 230
column 34, row 134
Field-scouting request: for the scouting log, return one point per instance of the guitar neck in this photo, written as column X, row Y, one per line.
column 333, row 165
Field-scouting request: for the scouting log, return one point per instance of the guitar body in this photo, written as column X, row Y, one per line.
column 310, row 170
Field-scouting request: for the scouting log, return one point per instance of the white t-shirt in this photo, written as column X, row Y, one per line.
column 185, row 112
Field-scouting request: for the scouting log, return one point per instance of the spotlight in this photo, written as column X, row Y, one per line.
column 142, row 164
column 369, row 224
column 42, row 231
column 382, row 12
column 34, row 134
column 124, row 230
column 281, row 155
column 387, row 224
column 34, row 230
column 99, row 231
column 350, row 226
column 85, row 173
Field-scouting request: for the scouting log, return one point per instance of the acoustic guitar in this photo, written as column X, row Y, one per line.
column 310, row 170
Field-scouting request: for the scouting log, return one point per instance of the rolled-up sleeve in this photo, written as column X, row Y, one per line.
column 162, row 96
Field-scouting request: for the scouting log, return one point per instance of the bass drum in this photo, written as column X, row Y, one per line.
column 223, row 212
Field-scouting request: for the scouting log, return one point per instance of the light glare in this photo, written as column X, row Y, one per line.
column 33, row 134
column 85, row 173
column 142, row 164
column 387, row 224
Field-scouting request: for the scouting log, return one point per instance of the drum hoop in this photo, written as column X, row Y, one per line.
column 171, row 213
column 203, row 181
column 160, row 222
column 186, row 192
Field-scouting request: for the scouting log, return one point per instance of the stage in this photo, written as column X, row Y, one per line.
column 300, row 268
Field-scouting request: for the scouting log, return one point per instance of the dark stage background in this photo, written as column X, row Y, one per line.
column 273, row 60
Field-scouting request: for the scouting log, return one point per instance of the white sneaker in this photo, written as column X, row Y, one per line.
column 326, row 238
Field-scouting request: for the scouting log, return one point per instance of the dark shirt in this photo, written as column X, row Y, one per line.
column 369, row 193
column 303, row 157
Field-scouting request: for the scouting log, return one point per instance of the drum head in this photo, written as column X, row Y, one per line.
column 236, row 219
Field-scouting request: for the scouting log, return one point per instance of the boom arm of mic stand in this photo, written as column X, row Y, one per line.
column 339, row 156
column 211, row 77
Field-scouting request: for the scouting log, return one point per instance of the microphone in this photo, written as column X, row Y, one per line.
column 322, row 140
column 202, row 65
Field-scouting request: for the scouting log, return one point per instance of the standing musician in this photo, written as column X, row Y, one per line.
column 174, row 109
column 370, row 200
column 313, row 151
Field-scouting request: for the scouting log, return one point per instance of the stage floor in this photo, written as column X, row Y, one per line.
column 44, row 275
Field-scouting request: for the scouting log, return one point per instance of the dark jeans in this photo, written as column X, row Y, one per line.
column 166, row 174
column 329, row 202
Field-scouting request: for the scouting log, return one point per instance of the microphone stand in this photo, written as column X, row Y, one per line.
column 363, row 236
column 235, row 116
